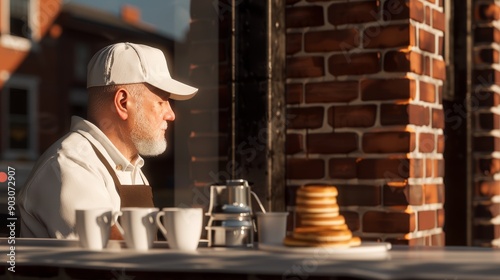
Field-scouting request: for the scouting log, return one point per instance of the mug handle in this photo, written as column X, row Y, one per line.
column 160, row 224
column 103, row 220
column 116, row 215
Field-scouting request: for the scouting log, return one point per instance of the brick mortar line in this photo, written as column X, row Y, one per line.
column 493, row 87
column 486, row 222
column 382, row 236
column 382, row 75
column 486, row 156
column 353, row 51
column 356, row 182
column 480, row 133
column 495, row 110
column 426, row 181
column 486, row 200
column 360, row 131
column 387, row 209
column 426, row 207
column 411, row 155
column 480, row 155
column 434, row 55
column 485, row 23
column 427, row 3
column 494, row 23
column 486, row 66
column 362, row 27
column 495, row 177
column 427, row 27
column 327, row 25
column 425, row 233
column 372, row 128
column 362, row 50
column 420, row 155
column 487, row 45
column 401, row 156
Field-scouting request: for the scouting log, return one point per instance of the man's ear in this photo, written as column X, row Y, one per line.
column 121, row 99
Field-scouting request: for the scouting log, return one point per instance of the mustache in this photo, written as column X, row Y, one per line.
column 164, row 126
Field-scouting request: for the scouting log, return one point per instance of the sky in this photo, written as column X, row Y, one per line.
column 170, row 17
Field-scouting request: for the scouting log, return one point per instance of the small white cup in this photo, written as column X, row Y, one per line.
column 181, row 227
column 138, row 226
column 93, row 227
column 271, row 227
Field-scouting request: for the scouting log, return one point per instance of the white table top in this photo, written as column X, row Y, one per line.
column 399, row 262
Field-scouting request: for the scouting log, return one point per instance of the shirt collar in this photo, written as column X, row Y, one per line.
column 121, row 163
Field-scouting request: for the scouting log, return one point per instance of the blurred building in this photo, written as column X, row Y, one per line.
column 44, row 51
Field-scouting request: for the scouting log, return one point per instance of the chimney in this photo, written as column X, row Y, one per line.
column 131, row 14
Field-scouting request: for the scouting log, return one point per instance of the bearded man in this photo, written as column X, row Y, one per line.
column 98, row 163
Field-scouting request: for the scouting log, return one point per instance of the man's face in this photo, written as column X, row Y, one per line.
column 150, row 123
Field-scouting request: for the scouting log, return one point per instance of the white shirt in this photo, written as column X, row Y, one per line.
column 70, row 176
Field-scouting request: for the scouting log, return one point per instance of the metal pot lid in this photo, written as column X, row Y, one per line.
column 231, row 208
column 229, row 216
column 227, row 227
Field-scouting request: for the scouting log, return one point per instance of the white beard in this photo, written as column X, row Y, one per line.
column 148, row 141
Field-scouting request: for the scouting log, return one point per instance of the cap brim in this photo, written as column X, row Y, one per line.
column 177, row 90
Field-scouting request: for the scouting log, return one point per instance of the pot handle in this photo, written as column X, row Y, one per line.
column 258, row 202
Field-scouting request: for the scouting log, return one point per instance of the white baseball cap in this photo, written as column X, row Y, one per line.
column 128, row 63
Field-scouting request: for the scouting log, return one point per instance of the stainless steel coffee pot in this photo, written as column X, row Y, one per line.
column 231, row 222
column 233, row 197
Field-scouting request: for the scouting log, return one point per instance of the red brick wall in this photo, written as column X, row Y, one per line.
column 364, row 112
column 486, row 122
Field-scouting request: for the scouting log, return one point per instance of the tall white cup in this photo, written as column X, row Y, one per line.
column 93, row 227
column 271, row 227
column 181, row 227
column 138, row 226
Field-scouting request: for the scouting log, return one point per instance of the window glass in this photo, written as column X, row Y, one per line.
column 19, row 18
column 82, row 57
column 18, row 119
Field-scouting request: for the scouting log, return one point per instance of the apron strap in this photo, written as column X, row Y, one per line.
column 130, row 195
column 107, row 165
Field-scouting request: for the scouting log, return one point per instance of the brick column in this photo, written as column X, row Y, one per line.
column 365, row 81
column 485, row 112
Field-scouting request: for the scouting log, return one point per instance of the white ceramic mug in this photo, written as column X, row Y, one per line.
column 271, row 227
column 137, row 226
column 93, row 227
column 181, row 227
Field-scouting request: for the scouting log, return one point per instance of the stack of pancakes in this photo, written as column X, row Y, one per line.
column 319, row 222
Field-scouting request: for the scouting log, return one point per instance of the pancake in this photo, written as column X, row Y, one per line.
column 355, row 241
column 318, row 215
column 316, row 200
column 317, row 191
column 322, row 221
column 292, row 242
column 312, row 229
column 319, row 221
column 324, row 235
column 331, row 208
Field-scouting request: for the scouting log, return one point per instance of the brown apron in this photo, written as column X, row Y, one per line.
column 130, row 195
